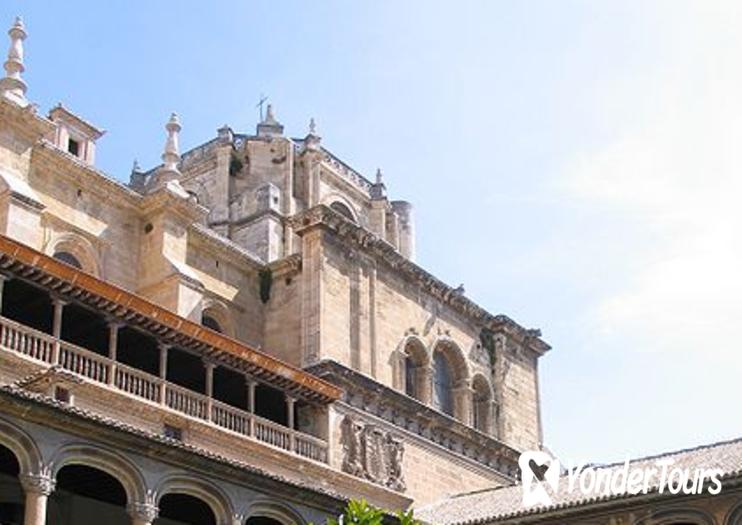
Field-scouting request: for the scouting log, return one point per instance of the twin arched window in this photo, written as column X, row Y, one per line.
column 442, row 383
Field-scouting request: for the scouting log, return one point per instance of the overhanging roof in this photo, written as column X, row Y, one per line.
column 69, row 282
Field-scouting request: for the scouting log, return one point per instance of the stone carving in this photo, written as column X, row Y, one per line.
column 38, row 483
column 372, row 453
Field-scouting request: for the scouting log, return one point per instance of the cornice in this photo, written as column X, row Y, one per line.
column 97, row 181
column 227, row 248
column 34, row 125
column 365, row 393
column 324, row 217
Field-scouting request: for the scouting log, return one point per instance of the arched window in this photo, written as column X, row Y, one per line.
column 482, row 404
column 442, row 384
column 343, row 210
column 413, row 373
column 210, row 322
column 67, row 257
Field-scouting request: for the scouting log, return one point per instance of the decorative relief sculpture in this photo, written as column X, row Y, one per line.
column 372, row 453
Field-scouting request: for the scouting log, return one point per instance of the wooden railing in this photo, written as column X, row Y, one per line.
column 44, row 348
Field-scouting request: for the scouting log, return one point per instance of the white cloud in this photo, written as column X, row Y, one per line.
column 674, row 166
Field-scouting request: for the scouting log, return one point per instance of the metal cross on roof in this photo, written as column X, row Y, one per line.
column 263, row 100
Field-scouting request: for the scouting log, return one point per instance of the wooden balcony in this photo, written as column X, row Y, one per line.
column 160, row 394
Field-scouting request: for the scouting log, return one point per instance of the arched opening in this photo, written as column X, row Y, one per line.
column 209, row 322
column 11, row 492
column 442, row 383
column 343, row 210
column 68, row 258
column 184, row 509
column 87, row 496
column 482, row 404
column 414, row 373
column 450, row 375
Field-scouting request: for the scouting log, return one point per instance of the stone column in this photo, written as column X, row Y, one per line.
column 37, row 487
column 210, row 366
column 290, row 403
column 57, row 327
column 163, row 371
column 113, row 341
column 463, row 397
column 251, row 403
column 424, row 379
column 142, row 513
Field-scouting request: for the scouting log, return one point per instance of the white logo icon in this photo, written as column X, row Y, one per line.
column 538, row 469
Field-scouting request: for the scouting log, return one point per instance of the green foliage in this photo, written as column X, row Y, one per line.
column 359, row 512
column 487, row 338
column 265, row 278
column 235, row 165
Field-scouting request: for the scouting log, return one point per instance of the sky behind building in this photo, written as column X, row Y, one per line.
column 575, row 164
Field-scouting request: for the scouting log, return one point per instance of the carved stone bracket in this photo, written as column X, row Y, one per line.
column 372, row 453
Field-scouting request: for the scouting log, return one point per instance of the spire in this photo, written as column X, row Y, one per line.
column 170, row 156
column 312, row 140
column 270, row 127
column 378, row 189
column 12, row 86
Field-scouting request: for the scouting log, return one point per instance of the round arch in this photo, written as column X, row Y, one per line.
column 450, row 374
column 105, row 460
column 342, row 205
column 677, row 516
column 219, row 312
column 22, row 445
column 735, row 516
column 274, row 510
column 413, row 365
column 78, row 247
column 198, row 488
column 482, row 396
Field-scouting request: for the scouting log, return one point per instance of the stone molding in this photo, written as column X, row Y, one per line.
column 365, row 394
column 146, row 512
column 322, row 216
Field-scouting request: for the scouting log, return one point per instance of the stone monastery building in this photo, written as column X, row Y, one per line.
column 238, row 335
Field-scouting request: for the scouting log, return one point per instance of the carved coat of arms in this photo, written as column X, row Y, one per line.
column 370, row 452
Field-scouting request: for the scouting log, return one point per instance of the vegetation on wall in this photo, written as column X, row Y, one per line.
column 265, row 278
column 487, row 339
column 235, row 165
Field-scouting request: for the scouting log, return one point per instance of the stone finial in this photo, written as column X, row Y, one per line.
column 378, row 189
column 270, row 127
column 312, row 140
column 171, row 155
column 12, row 86
column 270, row 118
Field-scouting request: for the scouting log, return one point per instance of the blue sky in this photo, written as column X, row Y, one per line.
column 575, row 164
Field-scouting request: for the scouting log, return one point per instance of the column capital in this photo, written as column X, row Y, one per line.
column 145, row 512
column 42, row 484
column 56, row 300
column 210, row 363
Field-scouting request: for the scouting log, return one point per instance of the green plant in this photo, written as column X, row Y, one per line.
column 359, row 512
column 487, row 339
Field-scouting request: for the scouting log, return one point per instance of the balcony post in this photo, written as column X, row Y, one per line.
column 290, row 402
column 113, row 341
column 57, row 327
column 163, row 371
column 251, row 384
column 37, row 488
column 209, row 365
